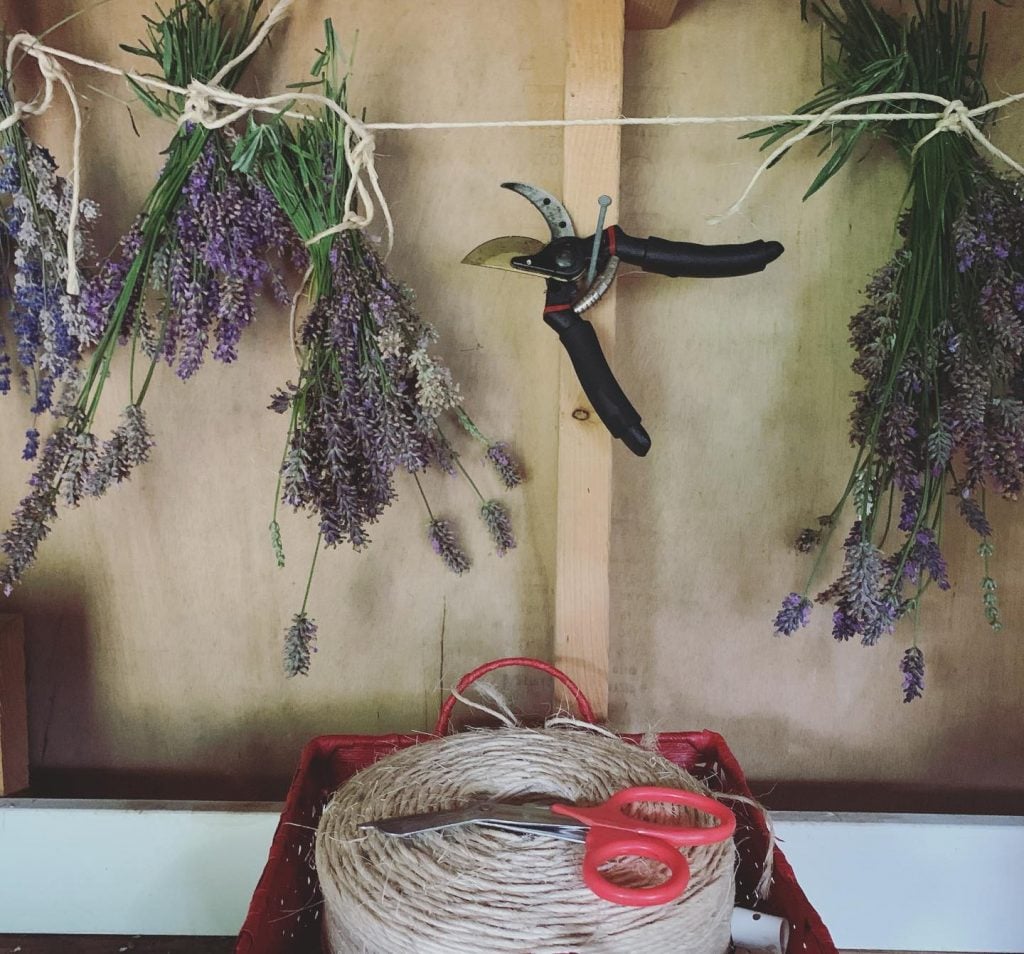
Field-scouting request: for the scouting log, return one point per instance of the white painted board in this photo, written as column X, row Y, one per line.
column 880, row 882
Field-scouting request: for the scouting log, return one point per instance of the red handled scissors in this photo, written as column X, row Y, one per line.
column 607, row 831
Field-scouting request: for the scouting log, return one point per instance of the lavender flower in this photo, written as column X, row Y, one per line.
column 127, row 448
column 505, row 463
column 33, row 232
column 299, row 644
column 281, row 399
column 912, row 667
column 209, row 268
column 78, row 467
column 794, row 615
column 445, row 544
column 31, row 444
column 973, row 515
column 807, row 540
column 35, row 514
column 925, row 554
column 499, row 526
column 865, row 595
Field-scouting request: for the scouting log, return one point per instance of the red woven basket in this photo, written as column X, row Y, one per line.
column 284, row 915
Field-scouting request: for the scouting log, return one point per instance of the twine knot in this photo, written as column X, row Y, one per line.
column 199, row 109
column 956, row 118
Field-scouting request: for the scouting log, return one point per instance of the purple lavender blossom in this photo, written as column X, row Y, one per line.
column 33, row 519
column 299, row 644
column 912, row 667
column 33, row 233
column 281, row 399
column 499, row 526
column 215, row 262
column 795, row 614
column 865, row 595
column 924, row 556
column 505, row 463
column 127, row 448
column 807, row 540
column 445, row 544
column 31, row 444
column 973, row 515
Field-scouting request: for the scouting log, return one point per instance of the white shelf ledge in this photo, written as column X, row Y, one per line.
column 880, row 882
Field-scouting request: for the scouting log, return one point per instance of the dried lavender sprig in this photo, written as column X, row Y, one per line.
column 990, row 601
column 499, row 525
column 499, row 453
column 34, row 228
column 912, row 667
column 33, row 519
column 73, row 464
column 446, row 545
column 794, row 614
column 299, row 645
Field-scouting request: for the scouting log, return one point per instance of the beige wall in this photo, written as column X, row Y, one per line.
column 155, row 616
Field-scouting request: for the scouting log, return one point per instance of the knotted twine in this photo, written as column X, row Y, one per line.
column 469, row 889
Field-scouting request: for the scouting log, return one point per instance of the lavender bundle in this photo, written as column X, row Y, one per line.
column 938, row 341
column 181, row 282
column 370, row 396
column 47, row 323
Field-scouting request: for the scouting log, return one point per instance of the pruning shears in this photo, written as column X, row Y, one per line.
column 580, row 270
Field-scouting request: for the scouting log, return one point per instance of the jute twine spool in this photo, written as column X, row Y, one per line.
column 471, row 889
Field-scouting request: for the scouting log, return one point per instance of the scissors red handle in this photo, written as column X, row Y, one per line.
column 615, row 834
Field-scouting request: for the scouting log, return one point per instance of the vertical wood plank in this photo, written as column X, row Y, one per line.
column 593, row 88
column 13, row 708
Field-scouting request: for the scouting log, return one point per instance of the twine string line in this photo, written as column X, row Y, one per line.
column 201, row 102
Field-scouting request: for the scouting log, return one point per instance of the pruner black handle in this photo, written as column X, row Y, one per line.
column 599, row 384
column 690, row 260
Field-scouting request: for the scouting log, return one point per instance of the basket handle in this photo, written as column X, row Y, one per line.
column 444, row 716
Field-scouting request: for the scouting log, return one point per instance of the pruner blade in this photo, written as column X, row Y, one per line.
column 558, row 219
column 499, row 252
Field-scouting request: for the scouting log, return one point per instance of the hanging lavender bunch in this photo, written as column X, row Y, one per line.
column 46, row 322
column 370, row 395
column 938, row 342
column 181, row 282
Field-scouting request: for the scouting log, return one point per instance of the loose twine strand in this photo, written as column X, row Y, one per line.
column 203, row 99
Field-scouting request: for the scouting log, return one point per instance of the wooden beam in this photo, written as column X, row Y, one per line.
column 13, row 707
column 649, row 14
column 593, row 88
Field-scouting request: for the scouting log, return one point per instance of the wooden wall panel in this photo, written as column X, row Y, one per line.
column 154, row 618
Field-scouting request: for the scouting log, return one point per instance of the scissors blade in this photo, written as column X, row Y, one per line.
column 404, row 825
column 561, row 832
column 526, row 818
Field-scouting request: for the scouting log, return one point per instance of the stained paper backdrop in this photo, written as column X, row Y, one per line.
column 154, row 617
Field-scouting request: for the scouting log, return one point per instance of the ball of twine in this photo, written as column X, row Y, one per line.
column 472, row 889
